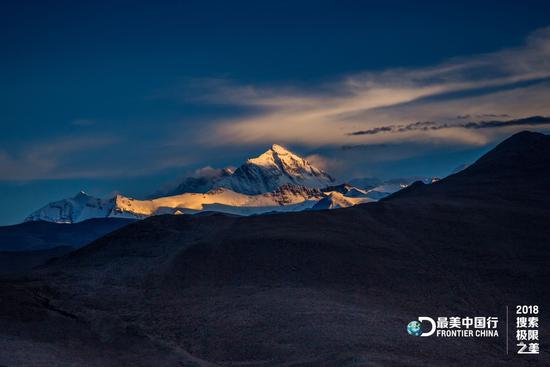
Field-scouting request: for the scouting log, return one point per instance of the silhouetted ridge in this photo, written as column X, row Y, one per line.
column 515, row 170
column 40, row 235
column 316, row 288
column 521, row 152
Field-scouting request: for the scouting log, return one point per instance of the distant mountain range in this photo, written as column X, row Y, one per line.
column 332, row 288
column 276, row 181
column 40, row 235
column 26, row 245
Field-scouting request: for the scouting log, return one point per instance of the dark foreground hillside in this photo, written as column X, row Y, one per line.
column 27, row 245
column 40, row 235
column 328, row 288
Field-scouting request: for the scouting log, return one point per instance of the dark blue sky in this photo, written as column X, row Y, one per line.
column 125, row 97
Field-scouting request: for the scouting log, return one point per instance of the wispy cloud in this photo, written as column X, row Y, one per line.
column 432, row 125
column 513, row 82
column 463, row 101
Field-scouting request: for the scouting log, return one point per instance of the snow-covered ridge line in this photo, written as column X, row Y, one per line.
column 277, row 180
column 83, row 206
column 272, row 169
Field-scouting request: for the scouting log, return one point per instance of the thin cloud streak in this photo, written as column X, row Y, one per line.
column 432, row 125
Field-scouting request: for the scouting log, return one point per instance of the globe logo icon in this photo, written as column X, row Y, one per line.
column 414, row 328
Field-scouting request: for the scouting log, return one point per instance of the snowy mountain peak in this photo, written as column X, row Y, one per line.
column 72, row 210
column 277, row 154
column 270, row 156
column 272, row 169
column 335, row 200
column 279, row 149
column 276, row 180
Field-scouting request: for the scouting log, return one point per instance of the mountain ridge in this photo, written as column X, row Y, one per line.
column 315, row 288
column 526, row 152
column 275, row 167
column 39, row 235
column 276, row 180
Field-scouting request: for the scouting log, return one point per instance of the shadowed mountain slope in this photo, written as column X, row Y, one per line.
column 29, row 244
column 324, row 288
column 20, row 262
column 515, row 170
column 41, row 235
